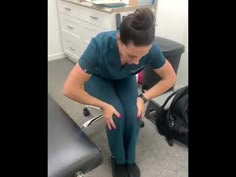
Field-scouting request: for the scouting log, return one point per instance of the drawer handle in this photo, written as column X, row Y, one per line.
column 72, row 49
column 70, row 27
column 95, row 18
column 69, row 9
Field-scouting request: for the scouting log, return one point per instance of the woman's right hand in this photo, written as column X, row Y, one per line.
column 108, row 112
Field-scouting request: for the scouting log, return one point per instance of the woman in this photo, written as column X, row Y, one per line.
column 107, row 71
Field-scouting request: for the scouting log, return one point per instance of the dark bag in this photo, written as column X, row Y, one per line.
column 173, row 122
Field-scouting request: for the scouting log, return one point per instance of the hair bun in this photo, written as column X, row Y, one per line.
column 143, row 19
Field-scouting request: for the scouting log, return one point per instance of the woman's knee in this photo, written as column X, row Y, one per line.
column 119, row 121
column 131, row 116
column 121, row 112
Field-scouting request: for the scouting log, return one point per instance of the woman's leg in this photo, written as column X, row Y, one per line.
column 104, row 90
column 127, row 91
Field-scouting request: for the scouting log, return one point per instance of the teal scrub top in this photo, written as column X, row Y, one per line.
column 102, row 58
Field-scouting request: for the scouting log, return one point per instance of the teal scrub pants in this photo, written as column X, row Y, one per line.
column 122, row 95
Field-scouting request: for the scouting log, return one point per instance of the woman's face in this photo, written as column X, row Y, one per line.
column 130, row 53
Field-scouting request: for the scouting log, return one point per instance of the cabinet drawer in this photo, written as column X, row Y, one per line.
column 71, row 49
column 89, row 30
column 66, row 8
column 79, row 27
column 96, row 17
column 69, row 26
column 72, row 43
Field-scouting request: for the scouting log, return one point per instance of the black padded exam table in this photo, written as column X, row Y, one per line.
column 70, row 152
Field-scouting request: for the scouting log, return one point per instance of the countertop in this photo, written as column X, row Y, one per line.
column 125, row 8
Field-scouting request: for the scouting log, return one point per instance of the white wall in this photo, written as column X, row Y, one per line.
column 172, row 21
column 55, row 50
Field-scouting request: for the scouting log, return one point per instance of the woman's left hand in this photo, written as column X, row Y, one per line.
column 140, row 107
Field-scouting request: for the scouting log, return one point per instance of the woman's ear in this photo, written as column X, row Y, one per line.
column 118, row 39
column 118, row 36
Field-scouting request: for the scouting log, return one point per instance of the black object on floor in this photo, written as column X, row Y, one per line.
column 118, row 170
column 172, row 120
column 133, row 170
column 70, row 151
column 141, row 123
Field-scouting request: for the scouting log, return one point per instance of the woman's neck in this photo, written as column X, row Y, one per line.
column 123, row 63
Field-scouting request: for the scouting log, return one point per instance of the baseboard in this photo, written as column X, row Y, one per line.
column 56, row 56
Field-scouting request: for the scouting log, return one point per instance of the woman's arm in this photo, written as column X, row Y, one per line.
column 168, row 80
column 74, row 89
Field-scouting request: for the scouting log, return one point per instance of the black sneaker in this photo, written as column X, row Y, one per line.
column 118, row 170
column 133, row 170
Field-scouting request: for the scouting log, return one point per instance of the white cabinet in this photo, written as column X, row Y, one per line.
column 79, row 24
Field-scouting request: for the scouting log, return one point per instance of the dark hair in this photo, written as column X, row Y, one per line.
column 138, row 27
